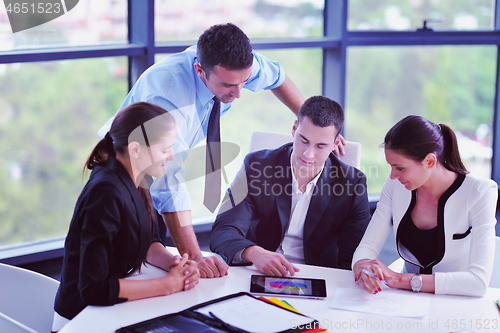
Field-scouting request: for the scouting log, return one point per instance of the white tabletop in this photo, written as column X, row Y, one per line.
column 446, row 314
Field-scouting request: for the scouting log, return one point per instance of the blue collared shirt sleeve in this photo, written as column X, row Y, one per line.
column 169, row 193
column 266, row 74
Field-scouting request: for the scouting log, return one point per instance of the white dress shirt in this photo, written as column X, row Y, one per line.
column 292, row 246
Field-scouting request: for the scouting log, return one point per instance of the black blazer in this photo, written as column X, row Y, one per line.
column 108, row 236
column 335, row 222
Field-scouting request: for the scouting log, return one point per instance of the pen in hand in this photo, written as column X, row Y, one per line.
column 364, row 270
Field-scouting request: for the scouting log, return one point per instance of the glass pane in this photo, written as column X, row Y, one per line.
column 454, row 85
column 261, row 111
column 186, row 20
column 409, row 15
column 90, row 22
column 49, row 116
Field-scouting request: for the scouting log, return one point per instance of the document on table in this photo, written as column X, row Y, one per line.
column 388, row 302
column 254, row 315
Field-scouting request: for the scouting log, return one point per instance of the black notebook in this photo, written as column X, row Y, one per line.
column 241, row 313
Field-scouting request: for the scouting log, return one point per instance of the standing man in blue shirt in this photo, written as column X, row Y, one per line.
column 220, row 65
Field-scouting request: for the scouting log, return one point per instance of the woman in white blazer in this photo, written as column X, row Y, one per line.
column 443, row 217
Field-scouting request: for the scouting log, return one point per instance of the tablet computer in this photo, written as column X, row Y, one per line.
column 288, row 286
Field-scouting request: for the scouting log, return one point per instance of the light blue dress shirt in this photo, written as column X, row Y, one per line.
column 174, row 85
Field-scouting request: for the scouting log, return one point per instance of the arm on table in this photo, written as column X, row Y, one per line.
column 182, row 232
column 394, row 280
column 473, row 281
column 268, row 262
column 366, row 255
column 231, row 227
column 183, row 276
column 374, row 239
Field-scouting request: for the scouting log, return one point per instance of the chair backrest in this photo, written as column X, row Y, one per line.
column 9, row 325
column 27, row 297
column 495, row 277
column 397, row 265
column 270, row 140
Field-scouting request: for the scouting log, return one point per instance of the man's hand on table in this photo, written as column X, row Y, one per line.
column 211, row 267
column 269, row 263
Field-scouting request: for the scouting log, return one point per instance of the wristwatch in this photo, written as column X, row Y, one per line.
column 416, row 283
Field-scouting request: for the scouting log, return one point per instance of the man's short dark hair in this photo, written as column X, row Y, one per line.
column 224, row 45
column 323, row 112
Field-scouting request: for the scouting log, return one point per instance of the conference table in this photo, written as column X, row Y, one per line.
column 446, row 313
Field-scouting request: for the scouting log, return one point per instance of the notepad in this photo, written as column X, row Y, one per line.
column 388, row 302
column 253, row 315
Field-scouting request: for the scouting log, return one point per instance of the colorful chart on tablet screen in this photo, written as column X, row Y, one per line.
column 286, row 286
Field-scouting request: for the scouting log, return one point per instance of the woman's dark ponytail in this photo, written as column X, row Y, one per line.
column 124, row 128
column 101, row 151
column 415, row 137
column 450, row 158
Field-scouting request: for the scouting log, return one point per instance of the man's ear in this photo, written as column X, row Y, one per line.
column 198, row 69
column 336, row 142
column 294, row 128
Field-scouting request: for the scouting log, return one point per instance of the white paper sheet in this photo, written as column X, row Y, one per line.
column 254, row 315
column 388, row 302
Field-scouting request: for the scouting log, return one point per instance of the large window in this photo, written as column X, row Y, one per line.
column 186, row 20
column 91, row 22
column 410, row 15
column 49, row 115
column 60, row 81
column 454, row 85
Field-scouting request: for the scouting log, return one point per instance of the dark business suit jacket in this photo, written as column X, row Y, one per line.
column 108, row 236
column 335, row 222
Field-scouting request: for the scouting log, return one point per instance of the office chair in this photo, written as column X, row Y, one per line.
column 27, row 299
column 9, row 325
column 270, row 140
column 397, row 266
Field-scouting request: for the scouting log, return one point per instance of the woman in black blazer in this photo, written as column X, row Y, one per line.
column 113, row 229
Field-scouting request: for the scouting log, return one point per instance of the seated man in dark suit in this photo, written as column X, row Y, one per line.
column 297, row 203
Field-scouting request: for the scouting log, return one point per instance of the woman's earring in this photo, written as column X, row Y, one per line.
column 430, row 169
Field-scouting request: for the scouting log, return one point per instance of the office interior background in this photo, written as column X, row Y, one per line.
column 381, row 59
